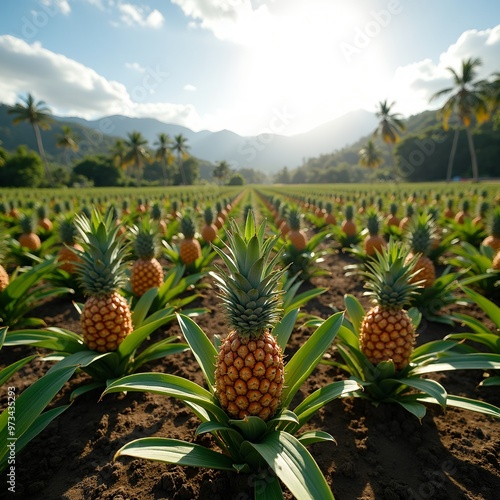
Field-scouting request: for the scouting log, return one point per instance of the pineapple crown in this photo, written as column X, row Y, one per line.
column 251, row 289
column 329, row 207
column 28, row 223
column 388, row 276
column 145, row 239
column 393, row 208
column 188, row 228
column 349, row 212
column 495, row 222
column 294, row 218
column 373, row 222
column 156, row 211
column 67, row 229
column 410, row 210
column 482, row 208
column 208, row 215
column 102, row 269
column 421, row 232
column 41, row 211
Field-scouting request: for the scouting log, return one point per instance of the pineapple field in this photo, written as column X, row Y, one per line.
column 310, row 342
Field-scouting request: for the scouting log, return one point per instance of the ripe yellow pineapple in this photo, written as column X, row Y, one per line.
column 189, row 247
column 421, row 233
column 387, row 332
column 146, row 272
column 249, row 370
column 373, row 242
column 106, row 318
column 28, row 237
column 296, row 236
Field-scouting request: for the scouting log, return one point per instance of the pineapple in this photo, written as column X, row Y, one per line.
column 393, row 219
column 4, row 276
column 463, row 214
column 420, row 235
column 296, row 235
column 157, row 216
column 28, row 237
column 43, row 220
column 493, row 239
column 348, row 226
column 146, row 272
column 67, row 257
column 249, row 370
column 373, row 242
column 189, row 248
column 106, row 318
column 329, row 215
column 405, row 221
column 209, row 230
column 496, row 261
column 387, row 332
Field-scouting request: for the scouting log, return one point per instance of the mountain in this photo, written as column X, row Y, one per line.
column 267, row 152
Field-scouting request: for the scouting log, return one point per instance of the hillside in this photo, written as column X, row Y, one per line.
column 266, row 152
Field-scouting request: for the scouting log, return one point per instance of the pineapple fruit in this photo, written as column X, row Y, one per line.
column 209, row 230
column 387, row 332
column 296, row 236
column 493, row 239
column 373, row 242
column 106, row 318
column 421, row 235
column 67, row 233
column 189, row 247
column 249, row 370
column 28, row 238
column 146, row 272
column 348, row 226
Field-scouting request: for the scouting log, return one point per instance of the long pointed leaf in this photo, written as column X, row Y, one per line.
column 294, row 465
column 174, row 451
column 308, row 356
column 202, row 348
column 284, row 328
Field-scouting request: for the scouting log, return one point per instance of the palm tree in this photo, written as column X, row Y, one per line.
column 370, row 156
column 389, row 128
column 163, row 153
column 38, row 115
column 181, row 148
column 118, row 152
column 221, row 170
column 467, row 101
column 137, row 154
column 66, row 141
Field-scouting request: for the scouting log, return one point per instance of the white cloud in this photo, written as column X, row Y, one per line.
column 229, row 20
column 135, row 67
column 414, row 84
column 189, row 87
column 61, row 5
column 71, row 89
column 134, row 15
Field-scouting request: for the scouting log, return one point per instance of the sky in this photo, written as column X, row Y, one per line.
column 249, row 66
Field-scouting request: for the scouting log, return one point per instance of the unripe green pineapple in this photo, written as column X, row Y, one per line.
column 106, row 318
column 249, row 371
column 146, row 272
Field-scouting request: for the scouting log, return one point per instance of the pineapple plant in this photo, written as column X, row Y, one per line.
column 393, row 219
column 105, row 318
column 66, row 256
column 329, row 215
column 463, row 213
column 249, row 370
column 28, row 238
column 387, row 332
column 209, row 230
column 449, row 212
column 4, row 276
column 493, row 239
column 481, row 213
column 348, row 226
column 420, row 236
column 189, row 247
column 405, row 221
column 296, row 236
column 43, row 220
column 373, row 242
column 157, row 216
column 146, row 272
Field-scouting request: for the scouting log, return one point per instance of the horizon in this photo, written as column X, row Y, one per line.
column 306, row 68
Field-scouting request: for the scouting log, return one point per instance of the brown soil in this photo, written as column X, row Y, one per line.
column 381, row 452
